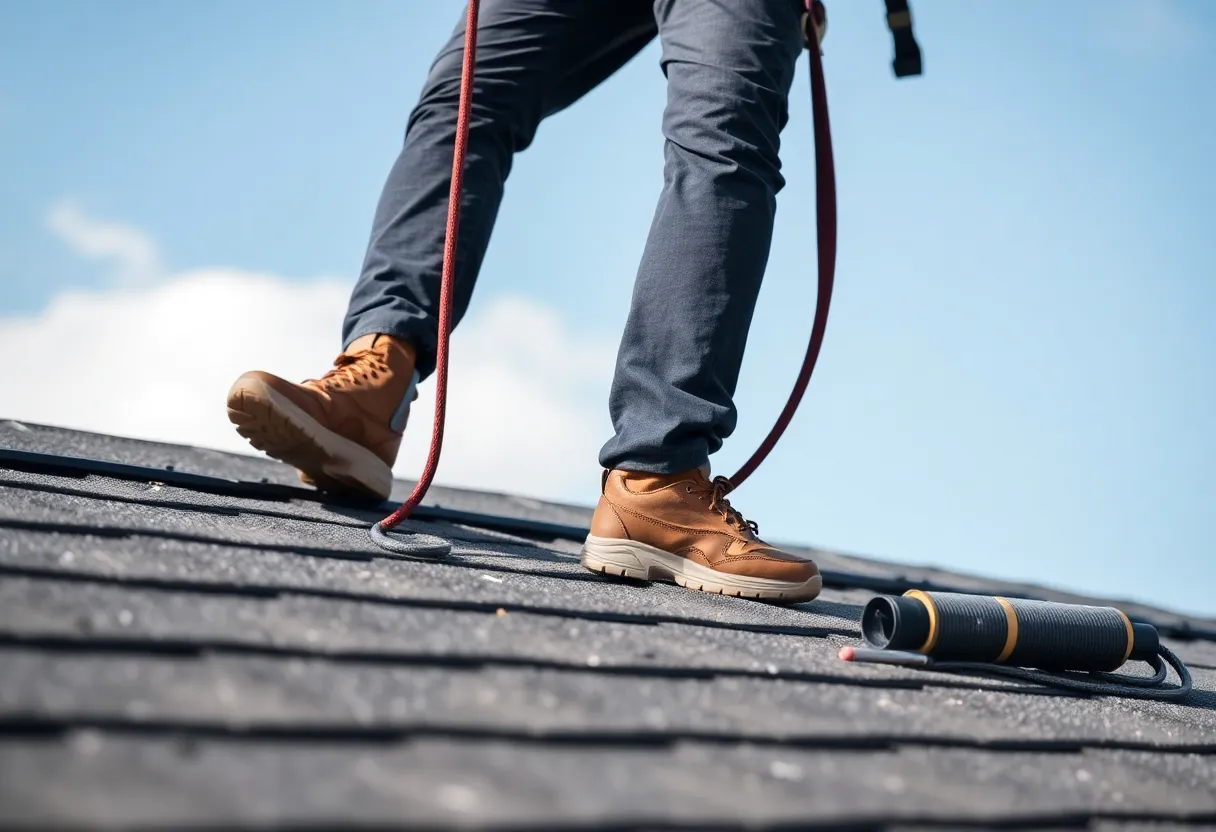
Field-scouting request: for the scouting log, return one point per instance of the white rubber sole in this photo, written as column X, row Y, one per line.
column 280, row 429
column 630, row 559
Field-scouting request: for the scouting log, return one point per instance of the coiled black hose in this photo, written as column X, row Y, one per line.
column 1105, row 684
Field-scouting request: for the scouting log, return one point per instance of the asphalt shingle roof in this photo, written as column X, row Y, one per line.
column 211, row 645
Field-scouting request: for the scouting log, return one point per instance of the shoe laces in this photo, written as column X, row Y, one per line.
column 354, row 368
column 718, row 489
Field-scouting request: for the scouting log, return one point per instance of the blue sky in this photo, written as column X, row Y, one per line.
column 1018, row 373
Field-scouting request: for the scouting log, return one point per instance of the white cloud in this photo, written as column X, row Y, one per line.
column 131, row 252
column 527, row 408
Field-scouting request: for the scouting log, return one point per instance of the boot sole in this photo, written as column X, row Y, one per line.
column 281, row 430
column 630, row 559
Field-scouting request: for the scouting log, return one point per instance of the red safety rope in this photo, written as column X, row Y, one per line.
column 447, row 283
column 825, row 234
column 825, row 207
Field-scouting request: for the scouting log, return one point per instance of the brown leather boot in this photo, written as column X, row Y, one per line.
column 342, row 431
column 681, row 527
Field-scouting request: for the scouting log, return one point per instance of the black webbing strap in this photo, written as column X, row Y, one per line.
column 907, row 52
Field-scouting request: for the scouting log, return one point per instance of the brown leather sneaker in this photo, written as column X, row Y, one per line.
column 682, row 528
column 342, row 431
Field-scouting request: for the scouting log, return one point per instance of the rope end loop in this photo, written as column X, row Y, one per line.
column 815, row 19
column 426, row 546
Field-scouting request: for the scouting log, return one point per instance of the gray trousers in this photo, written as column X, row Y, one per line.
column 729, row 65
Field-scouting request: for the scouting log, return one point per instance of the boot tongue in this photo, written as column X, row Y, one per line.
column 387, row 343
column 365, row 342
column 639, row 481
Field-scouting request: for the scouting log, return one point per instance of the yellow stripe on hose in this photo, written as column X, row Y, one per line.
column 1011, row 629
column 1131, row 635
column 929, row 605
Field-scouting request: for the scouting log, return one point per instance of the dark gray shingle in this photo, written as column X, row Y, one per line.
column 175, row 657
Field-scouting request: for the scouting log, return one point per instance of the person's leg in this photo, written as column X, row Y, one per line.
column 534, row 58
column 729, row 68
